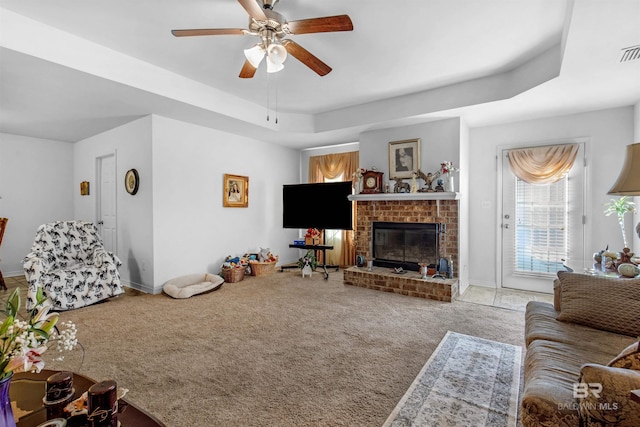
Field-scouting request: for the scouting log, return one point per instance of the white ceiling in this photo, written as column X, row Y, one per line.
column 71, row 69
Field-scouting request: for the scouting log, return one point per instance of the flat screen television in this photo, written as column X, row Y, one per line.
column 324, row 206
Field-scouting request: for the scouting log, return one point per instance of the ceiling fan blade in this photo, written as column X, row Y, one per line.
column 208, row 32
column 253, row 9
column 247, row 71
column 321, row 25
column 306, row 57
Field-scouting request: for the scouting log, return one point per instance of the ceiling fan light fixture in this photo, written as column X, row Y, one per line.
column 273, row 67
column 277, row 53
column 254, row 55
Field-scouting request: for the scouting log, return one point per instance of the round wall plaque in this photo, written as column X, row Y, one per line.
column 131, row 181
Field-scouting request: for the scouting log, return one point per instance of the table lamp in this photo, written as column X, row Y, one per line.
column 628, row 183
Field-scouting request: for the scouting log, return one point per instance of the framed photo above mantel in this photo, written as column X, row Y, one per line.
column 235, row 191
column 404, row 158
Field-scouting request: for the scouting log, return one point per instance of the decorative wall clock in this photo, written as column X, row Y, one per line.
column 131, row 181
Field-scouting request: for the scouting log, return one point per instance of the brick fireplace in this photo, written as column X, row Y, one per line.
column 439, row 208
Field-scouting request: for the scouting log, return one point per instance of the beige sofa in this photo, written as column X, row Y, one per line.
column 583, row 354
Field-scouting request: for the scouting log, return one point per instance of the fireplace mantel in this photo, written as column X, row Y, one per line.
column 405, row 196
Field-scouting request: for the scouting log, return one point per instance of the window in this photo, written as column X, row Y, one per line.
column 541, row 241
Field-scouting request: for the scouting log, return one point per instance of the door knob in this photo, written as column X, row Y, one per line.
column 100, row 222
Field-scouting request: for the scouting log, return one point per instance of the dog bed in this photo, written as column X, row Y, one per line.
column 192, row 284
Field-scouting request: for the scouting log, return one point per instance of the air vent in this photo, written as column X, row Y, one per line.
column 630, row 53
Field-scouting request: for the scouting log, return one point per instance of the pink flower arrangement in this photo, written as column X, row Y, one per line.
column 447, row 167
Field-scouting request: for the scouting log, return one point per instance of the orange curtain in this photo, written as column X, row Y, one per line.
column 542, row 165
column 329, row 167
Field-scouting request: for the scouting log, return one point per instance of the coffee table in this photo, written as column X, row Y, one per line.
column 27, row 390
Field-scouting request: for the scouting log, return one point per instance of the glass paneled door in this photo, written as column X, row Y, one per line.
column 542, row 227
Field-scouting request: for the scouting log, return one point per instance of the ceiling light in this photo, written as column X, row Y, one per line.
column 254, row 55
column 277, row 53
column 273, row 67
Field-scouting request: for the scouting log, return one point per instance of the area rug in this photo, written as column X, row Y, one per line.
column 467, row 381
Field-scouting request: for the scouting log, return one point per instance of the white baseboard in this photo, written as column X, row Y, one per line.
column 140, row 287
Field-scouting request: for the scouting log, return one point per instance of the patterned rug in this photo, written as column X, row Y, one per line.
column 467, row 381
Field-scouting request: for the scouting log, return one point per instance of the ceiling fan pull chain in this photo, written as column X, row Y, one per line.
column 268, row 81
column 276, row 77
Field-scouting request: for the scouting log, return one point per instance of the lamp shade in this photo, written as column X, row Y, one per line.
column 628, row 183
column 273, row 67
column 277, row 53
column 254, row 55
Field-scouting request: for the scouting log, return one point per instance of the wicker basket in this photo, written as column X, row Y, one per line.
column 233, row 275
column 262, row 268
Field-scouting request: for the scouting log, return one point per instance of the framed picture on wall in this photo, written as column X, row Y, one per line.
column 235, row 192
column 404, row 158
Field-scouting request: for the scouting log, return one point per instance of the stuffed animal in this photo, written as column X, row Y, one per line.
column 264, row 254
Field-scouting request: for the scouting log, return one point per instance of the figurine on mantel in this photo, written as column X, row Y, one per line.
column 401, row 186
column 428, row 180
column 414, row 182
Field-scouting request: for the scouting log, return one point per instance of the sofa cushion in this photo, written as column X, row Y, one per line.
column 541, row 323
column 600, row 302
column 629, row 358
column 610, row 404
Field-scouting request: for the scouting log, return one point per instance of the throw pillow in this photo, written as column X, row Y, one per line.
column 629, row 358
column 606, row 400
column 557, row 296
column 600, row 302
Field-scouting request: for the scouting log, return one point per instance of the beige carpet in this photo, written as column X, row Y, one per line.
column 274, row 351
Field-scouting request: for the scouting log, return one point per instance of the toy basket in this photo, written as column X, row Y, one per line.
column 262, row 268
column 233, row 275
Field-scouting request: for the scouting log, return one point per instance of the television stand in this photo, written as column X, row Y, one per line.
column 316, row 249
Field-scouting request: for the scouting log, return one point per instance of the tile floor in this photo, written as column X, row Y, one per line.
column 505, row 298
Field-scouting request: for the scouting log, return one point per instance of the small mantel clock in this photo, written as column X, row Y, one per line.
column 372, row 182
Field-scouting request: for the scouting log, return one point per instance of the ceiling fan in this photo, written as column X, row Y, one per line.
column 272, row 28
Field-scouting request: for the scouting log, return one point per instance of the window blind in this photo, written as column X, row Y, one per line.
column 541, row 242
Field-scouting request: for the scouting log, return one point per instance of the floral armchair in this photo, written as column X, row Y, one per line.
column 69, row 262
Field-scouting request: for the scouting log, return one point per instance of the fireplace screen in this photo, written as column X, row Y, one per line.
column 399, row 244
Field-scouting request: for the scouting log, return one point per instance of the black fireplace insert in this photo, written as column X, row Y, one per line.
column 406, row 244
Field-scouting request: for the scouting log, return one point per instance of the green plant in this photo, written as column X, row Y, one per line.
column 620, row 207
column 308, row 259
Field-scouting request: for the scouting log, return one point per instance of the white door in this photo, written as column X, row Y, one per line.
column 106, row 196
column 542, row 228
